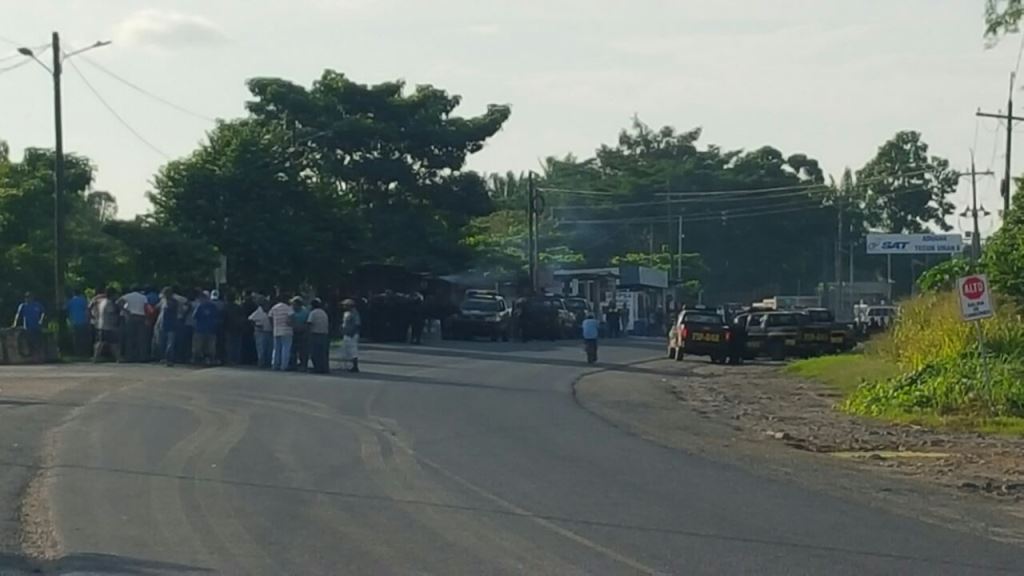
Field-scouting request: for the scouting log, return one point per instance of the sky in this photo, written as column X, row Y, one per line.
column 830, row 79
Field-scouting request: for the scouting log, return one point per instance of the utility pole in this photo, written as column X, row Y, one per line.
column 1009, row 118
column 838, row 264
column 531, row 221
column 679, row 251
column 55, row 71
column 58, row 187
column 976, row 235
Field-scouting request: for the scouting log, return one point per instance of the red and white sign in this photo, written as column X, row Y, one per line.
column 975, row 297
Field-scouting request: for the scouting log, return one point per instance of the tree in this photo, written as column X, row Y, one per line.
column 904, row 189
column 1003, row 258
column 396, row 157
column 158, row 256
column 1002, row 17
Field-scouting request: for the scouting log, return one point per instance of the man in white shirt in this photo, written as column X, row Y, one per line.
column 281, row 316
column 262, row 332
column 134, row 305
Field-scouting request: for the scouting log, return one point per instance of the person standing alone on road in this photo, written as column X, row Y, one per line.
column 134, row 305
column 590, row 327
column 78, row 318
column 350, row 324
column 281, row 315
column 30, row 316
column 319, row 338
column 108, row 320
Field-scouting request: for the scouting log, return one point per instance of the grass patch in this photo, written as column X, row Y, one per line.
column 845, row 372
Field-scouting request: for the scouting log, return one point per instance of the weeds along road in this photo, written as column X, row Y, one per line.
column 461, row 458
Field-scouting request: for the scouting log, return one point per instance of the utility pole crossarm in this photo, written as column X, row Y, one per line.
column 997, row 115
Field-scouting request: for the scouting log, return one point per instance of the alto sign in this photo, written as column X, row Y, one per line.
column 915, row 243
column 975, row 297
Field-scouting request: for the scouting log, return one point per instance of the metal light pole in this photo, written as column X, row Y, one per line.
column 58, row 166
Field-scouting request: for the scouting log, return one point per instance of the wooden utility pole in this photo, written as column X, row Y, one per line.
column 976, row 235
column 1009, row 118
column 531, row 221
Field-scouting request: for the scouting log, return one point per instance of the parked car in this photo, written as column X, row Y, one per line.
column 487, row 316
column 773, row 334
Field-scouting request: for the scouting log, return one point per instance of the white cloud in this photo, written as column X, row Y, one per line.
column 168, row 30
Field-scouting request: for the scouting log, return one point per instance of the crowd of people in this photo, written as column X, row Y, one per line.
column 202, row 327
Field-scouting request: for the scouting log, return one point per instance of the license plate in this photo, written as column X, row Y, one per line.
column 837, row 340
column 790, row 341
column 705, row 337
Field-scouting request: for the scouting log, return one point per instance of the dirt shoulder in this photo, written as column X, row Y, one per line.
column 786, row 427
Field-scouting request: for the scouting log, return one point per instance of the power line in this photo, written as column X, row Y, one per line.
column 147, row 93
column 685, row 201
column 15, row 66
column 119, row 118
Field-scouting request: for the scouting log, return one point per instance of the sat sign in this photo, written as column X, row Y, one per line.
column 975, row 297
column 915, row 243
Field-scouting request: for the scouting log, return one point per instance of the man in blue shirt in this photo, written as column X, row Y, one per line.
column 30, row 316
column 78, row 317
column 590, row 330
column 204, row 338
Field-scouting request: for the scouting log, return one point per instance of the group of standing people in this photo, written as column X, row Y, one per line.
column 204, row 328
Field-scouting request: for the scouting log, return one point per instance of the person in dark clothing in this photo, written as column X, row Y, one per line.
column 168, row 321
column 235, row 327
column 737, row 341
column 416, row 318
column 319, row 337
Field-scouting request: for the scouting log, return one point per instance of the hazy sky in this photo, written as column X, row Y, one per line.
column 829, row 78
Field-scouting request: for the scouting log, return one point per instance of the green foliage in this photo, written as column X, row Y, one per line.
column 905, row 190
column 158, row 256
column 1004, row 253
column 942, row 277
column 1002, row 17
column 940, row 363
column 845, row 372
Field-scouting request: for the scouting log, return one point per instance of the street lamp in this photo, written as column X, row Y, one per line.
column 58, row 166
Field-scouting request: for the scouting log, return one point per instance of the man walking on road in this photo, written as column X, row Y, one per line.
column 134, row 305
column 319, row 338
column 350, row 324
column 281, row 315
column 591, row 327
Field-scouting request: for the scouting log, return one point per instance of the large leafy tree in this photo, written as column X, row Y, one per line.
column 396, row 156
column 1003, row 258
column 905, row 189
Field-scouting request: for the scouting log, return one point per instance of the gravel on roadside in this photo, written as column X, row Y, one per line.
column 756, row 415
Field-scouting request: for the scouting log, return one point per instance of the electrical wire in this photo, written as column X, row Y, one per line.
column 145, row 92
column 6, row 69
column 113, row 112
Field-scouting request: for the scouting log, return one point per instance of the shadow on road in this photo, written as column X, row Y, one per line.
column 92, row 564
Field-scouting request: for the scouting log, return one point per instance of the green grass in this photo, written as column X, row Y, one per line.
column 845, row 372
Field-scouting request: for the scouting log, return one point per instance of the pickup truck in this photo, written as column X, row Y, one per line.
column 772, row 334
column 820, row 321
column 700, row 332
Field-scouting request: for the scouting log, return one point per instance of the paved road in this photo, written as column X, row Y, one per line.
column 457, row 459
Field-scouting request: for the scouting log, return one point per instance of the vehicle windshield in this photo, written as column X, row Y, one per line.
column 481, row 306
column 702, row 318
column 576, row 304
column 783, row 320
column 819, row 315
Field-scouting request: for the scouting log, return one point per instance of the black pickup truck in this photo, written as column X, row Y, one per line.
column 772, row 334
column 824, row 335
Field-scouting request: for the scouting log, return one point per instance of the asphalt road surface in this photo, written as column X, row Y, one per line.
column 468, row 458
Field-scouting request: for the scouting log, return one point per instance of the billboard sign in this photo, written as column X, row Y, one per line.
column 915, row 243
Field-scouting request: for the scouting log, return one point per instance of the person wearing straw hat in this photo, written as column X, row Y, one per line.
column 350, row 324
